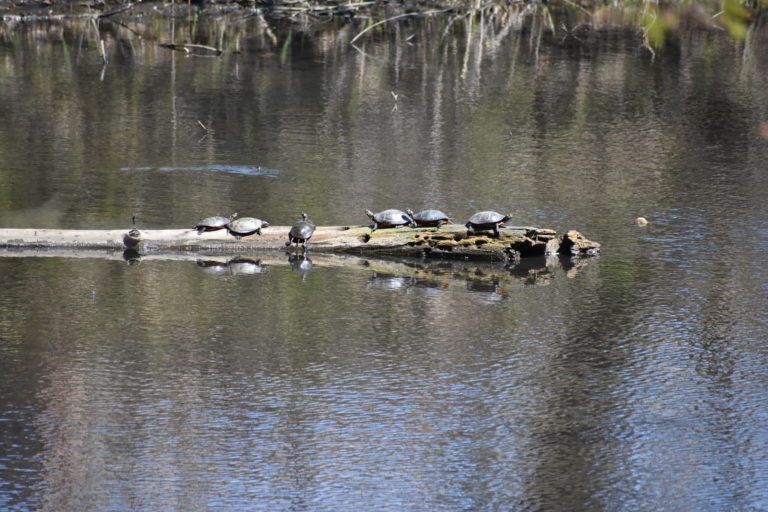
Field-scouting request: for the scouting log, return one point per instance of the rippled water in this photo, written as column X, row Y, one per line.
column 631, row 381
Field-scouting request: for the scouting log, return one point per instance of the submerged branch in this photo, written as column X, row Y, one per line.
column 123, row 9
column 399, row 16
column 186, row 47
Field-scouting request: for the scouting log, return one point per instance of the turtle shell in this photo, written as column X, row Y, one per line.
column 390, row 218
column 301, row 231
column 487, row 218
column 429, row 217
column 247, row 225
column 214, row 223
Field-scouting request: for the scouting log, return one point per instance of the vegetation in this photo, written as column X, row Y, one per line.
column 656, row 22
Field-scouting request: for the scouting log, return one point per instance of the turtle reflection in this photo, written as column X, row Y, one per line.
column 486, row 290
column 391, row 282
column 132, row 256
column 238, row 265
column 245, row 266
column 300, row 263
column 212, row 266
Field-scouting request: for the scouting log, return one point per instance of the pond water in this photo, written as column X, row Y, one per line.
column 635, row 380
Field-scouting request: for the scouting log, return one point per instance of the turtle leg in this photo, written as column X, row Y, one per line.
column 470, row 230
column 439, row 223
column 374, row 227
column 290, row 240
column 304, row 244
column 496, row 230
column 258, row 231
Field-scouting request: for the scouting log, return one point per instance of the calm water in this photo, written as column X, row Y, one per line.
column 637, row 380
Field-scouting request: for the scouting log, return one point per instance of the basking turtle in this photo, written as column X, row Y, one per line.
column 301, row 231
column 389, row 219
column 486, row 220
column 245, row 226
column 214, row 223
column 429, row 218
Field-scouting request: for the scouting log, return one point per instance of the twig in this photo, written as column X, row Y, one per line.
column 406, row 15
column 132, row 30
column 321, row 8
column 101, row 41
column 175, row 47
column 184, row 47
column 131, row 5
column 451, row 22
column 579, row 7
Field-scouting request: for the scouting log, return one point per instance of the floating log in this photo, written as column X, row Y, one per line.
column 448, row 242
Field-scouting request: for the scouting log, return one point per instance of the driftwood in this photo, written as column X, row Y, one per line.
column 448, row 242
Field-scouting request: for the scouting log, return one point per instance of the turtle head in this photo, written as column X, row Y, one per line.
column 304, row 215
column 411, row 220
column 369, row 213
column 232, row 217
column 264, row 224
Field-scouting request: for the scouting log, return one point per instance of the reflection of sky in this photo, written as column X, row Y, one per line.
column 249, row 170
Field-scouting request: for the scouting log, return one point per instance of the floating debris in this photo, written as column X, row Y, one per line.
column 248, row 170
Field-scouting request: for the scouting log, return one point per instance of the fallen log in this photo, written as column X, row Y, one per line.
column 448, row 242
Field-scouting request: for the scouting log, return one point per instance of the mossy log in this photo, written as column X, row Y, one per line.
column 448, row 242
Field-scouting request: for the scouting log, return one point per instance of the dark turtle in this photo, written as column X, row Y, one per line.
column 389, row 219
column 301, row 231
column 429, row 218
column 214, row 223
column 132, row 238
column 245, row 226
column 486, row 220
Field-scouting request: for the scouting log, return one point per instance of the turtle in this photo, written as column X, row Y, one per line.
column 429, row 218
column 132, row 238
column 301, row 231
column 214, row 223
column 486, row 220
column 245, row 226
column 389, row 219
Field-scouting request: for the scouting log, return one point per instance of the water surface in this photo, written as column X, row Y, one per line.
column 631, row 381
